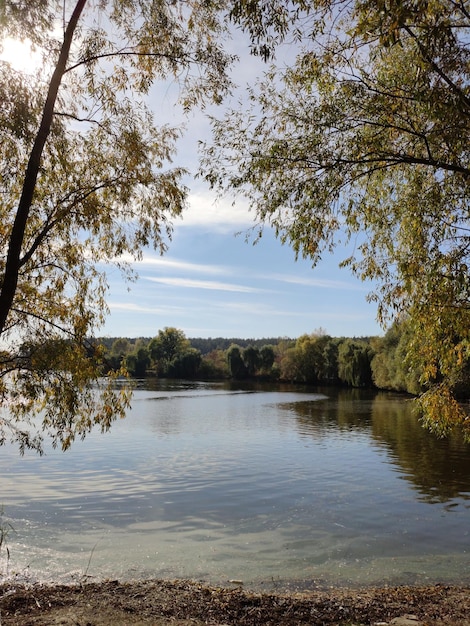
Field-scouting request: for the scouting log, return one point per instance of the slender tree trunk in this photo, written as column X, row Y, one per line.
column 13, row 262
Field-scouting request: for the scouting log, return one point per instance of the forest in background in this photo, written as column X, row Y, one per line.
column 315, row 358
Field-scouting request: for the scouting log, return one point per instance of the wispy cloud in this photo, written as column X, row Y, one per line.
column 260, row 309
column 203, row 284
column 177, row 264
column 153, row 261
column 315, row 282
column 131, row 307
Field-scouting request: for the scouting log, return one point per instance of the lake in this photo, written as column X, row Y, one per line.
column 275, row 486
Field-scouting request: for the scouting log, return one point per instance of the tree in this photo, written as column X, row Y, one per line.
column 309, row 358
column 237, row 367
column 365, row 136
column 166, row 346
column 288, row 363
column 266, row 358
column 214, row 365
column 137, row 362
column 251, row 359
column 330, row 361
column 185, row 364
column 390, row 366
column 354, row 358
column 85, row 180
column 121, row 346
column 313, row 359
column 115, row 355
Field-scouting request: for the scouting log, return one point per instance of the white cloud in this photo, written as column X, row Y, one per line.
column 315, row 282
column 176, row 264
column 130, row 307
column 220, row 215
column 258, row 309
column 203, row 284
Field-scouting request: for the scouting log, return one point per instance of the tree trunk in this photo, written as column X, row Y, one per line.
column 13, row 262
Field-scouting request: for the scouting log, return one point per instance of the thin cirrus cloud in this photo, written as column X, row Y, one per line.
column 261, row 310
column 315, row 282
column 203, row 284
column 208, row 269
column 177, row 264
column 131, row 307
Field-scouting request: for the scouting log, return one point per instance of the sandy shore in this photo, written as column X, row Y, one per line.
column 185, row 603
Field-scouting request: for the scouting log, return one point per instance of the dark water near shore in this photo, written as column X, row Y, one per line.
column 268, row 485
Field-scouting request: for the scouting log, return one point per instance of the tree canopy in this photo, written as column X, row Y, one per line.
column 365, row 136
column 86, row 180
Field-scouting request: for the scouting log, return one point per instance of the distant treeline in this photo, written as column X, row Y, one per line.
column 315, row 358
column 204, row 345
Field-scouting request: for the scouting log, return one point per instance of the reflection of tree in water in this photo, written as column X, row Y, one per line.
column 439, row 469
column 342, row 409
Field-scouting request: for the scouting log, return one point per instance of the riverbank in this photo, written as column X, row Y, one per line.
column 186, row 603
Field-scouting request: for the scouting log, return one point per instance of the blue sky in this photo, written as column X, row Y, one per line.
column 212, row 283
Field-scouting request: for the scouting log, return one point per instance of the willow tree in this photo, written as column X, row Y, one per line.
column 86, row 180
column 365, row 136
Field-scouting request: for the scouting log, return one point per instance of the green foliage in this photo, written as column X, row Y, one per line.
column 137, row 362
column 222, row 343
column 313, row 359
column 237, row 367
column 185, row 364
column 86, row 180
column 266, row 358
column 121, row 346
column 172, row 354
column 268, row 22
column 309, row 358
column 287, row 363
column 166, row 346
column 214, row 366
column 365, row 136
column 115, row 355
column 330, row 361
column 251, row 359
column 354, row 360
column 390, row 366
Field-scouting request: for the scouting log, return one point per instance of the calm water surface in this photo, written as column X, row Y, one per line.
column 272, row 486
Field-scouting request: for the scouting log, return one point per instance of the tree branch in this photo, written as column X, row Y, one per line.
column 461, row 95
column 119, row 53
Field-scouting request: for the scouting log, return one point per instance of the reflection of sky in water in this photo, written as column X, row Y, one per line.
column 208, row 482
